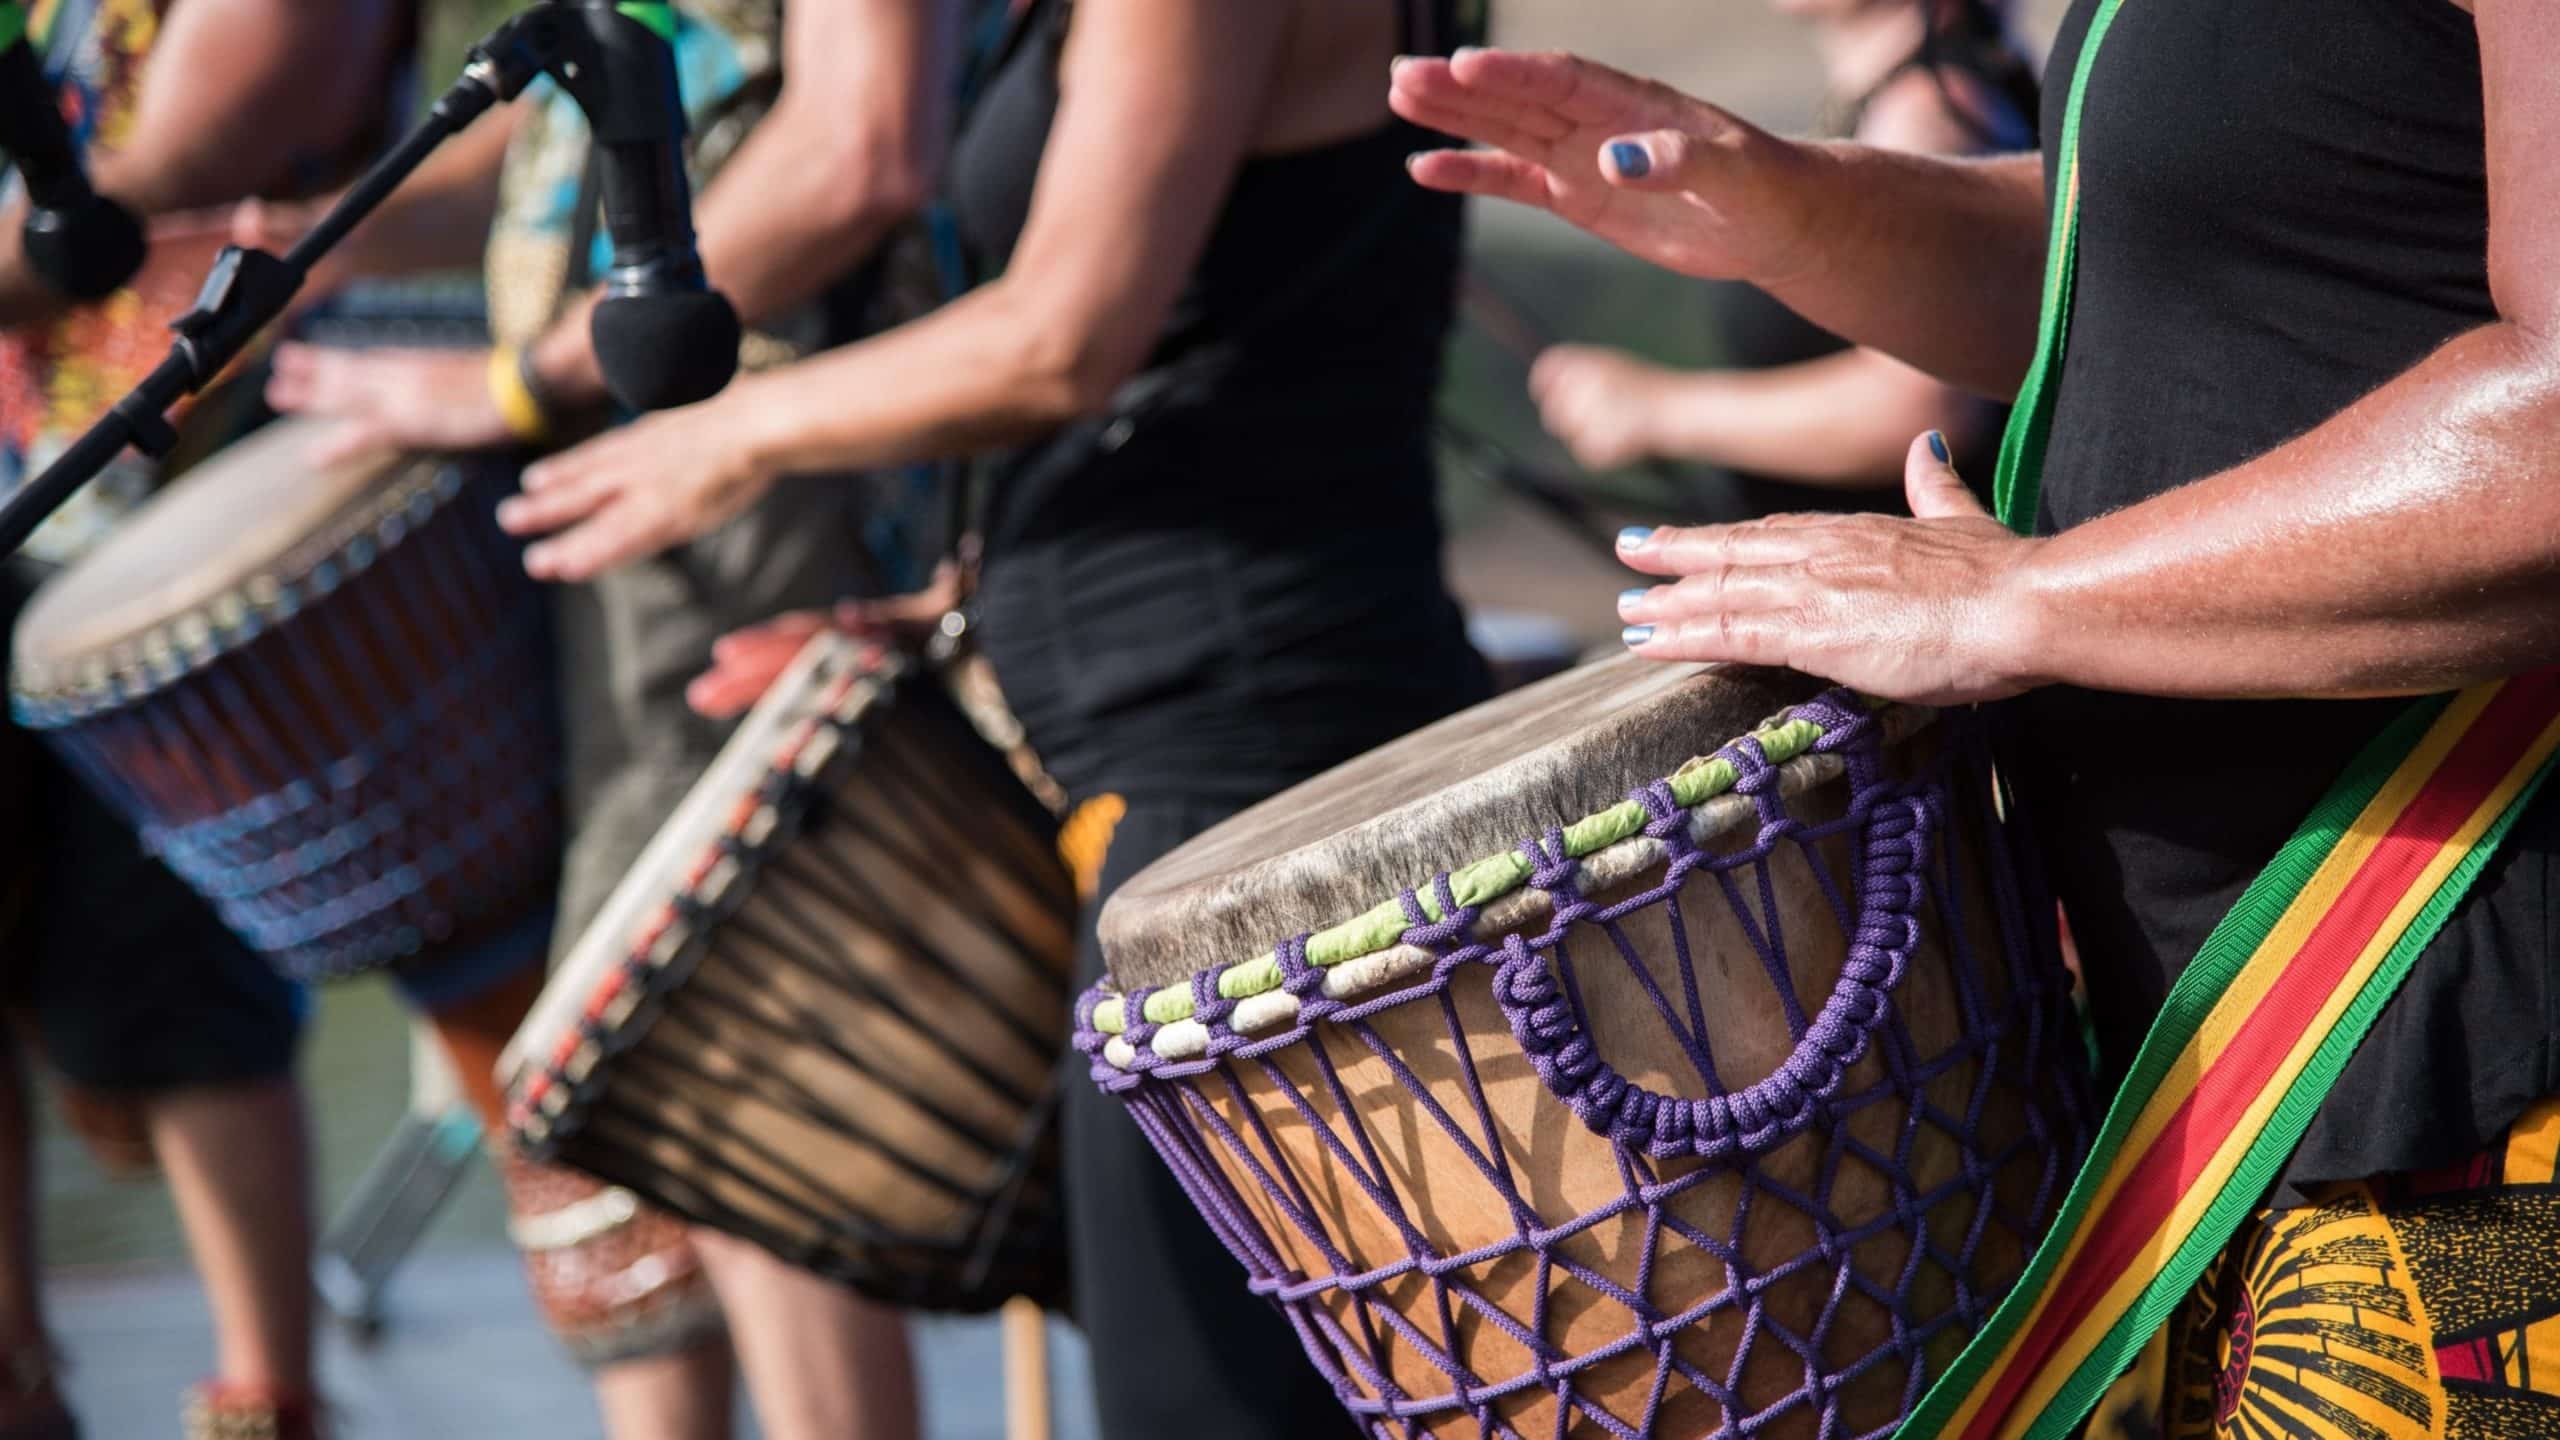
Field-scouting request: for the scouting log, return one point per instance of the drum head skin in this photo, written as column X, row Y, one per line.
column 1474, row 784
column 261, row 508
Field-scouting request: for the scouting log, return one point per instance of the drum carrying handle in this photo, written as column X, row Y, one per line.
column 1891, row 877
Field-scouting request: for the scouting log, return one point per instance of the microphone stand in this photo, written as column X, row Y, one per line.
column 247, row 289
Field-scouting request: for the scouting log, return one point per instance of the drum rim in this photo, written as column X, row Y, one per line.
column 49, row 693
column 1366, row 955
column 652, row 950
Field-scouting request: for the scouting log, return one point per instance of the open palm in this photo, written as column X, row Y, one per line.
column 1708, row 195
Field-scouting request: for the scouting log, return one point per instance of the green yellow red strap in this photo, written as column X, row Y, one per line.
column 2261, row 1023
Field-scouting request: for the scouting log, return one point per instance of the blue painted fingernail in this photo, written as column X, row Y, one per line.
column 1636, row 635
column 1633, row 536
column 1938, row 447
column 1629, row 597
column 1630, row 159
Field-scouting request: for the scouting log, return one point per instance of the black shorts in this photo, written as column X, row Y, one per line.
column 127, row 979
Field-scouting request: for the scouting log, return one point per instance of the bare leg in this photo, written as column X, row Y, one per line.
column 26, row 1392
column 684, row 1396
column 821, row 1362
column 239, row 1171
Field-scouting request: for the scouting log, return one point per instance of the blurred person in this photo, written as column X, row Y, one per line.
column 815, row 131
column 1795, row 417
column 1204, row 373
column 2272, row 598
column 173, row 1041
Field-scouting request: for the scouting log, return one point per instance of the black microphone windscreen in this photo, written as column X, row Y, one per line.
column 86, row 251
column 660, row 351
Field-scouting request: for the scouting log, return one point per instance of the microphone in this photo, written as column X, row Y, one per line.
column 78, row 242
column 663, row 337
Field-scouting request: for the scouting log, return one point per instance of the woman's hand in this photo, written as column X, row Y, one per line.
column 634, row 491
column 1601, row 403
column 1930, row 609
column 745, row 663
column 405, row 399
column 1667, row 178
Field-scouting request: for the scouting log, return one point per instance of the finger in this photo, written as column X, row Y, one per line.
column 792, row 628
column 1738, row 637
column 564, row 501
column 612, row 537
column 1581, row 91
column 1931, row 484
column 1662, row 161
column 721, row 694
column 1695, row 549
column 1430, row 85
column 1490, row 173
column 1744, row 589
column 1468, row 125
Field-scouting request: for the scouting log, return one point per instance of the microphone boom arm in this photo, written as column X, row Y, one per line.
column 246, row 290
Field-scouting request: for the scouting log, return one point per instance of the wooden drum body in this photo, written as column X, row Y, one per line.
column 324, row 693
column 824, row 1009
column 1719, row 1104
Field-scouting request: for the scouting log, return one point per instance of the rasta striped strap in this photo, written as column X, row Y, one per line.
column 2261, row 1023
column 2253, row 1036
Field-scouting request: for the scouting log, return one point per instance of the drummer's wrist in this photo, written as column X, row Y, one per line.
column 561, row 363
column 2033, row 620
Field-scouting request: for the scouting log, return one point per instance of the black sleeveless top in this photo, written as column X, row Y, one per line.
column 2283, row 206
column 1754, row 330
column 1233, row 579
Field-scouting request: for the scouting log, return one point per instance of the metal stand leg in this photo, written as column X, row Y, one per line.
column 408, row 1183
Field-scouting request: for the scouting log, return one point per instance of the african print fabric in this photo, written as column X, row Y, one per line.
column 2415, row 1307
column 728, row 69
column 57, row 379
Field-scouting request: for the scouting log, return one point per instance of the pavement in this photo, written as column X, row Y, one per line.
column 462, row 1355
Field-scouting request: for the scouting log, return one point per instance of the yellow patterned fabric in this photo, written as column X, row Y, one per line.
column 57, row 379
column 728, row 68
column 2415, row 1307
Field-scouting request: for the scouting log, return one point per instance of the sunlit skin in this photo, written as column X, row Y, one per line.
column 1836, row 420
column 844, row 155
column 1162, row 101
column 2410, row 544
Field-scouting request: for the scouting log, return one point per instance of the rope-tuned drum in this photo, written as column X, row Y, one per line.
column 324, row 694
column 823, row 1010
column 1550, row 1096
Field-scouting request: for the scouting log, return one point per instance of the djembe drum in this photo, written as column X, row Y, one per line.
column 324, row 695
column 824, row 1009
column 1552, row 1096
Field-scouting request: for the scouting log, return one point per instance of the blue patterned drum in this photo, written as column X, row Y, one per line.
column 324, row 694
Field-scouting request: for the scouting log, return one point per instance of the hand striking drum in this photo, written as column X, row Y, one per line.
column 1549, row 1096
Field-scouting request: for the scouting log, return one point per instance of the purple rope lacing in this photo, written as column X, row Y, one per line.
column 1198, row 1114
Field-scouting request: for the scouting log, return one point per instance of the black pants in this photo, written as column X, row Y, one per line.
column 1180, row 1347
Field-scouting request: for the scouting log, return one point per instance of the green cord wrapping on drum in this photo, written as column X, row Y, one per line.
column 1383, row 926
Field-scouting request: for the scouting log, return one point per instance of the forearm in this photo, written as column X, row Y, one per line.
column 988, row 370
column 1843, row 420
column 439, row 218
column 1936, row 261
column 2411, row 544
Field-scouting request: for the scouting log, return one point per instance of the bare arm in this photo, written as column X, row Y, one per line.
column 237, row 97
column 1934, row 261
column 2410, row 544
column 1842, row 420
column 1160, row 101
column 438, row 219
column 850, row 149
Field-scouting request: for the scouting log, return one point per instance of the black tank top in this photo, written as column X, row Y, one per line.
column 2283, row 206
column 1756, row 331
column 1232, row 580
